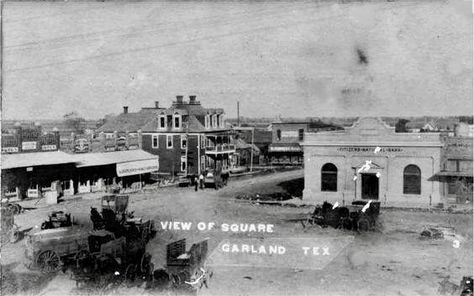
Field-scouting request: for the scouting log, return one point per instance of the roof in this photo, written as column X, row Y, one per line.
column 19, row 160
column 444, row 175
column 129, row 121
column 106, row 158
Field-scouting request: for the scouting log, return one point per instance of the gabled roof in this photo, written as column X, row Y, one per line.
column 128, row 121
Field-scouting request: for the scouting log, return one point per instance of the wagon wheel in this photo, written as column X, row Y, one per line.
column 48, row 261
column 131, row 272
column 363, row 225
column 145, row 262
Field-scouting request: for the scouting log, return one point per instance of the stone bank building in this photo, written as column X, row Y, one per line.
column 370, row 161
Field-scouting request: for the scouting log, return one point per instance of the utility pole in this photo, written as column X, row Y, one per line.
column 251, row 150
column 238, row 113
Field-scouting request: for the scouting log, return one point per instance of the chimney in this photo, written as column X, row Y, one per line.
column 179, row 100
column 157, row 105
column 125, row 109
column 192, row 99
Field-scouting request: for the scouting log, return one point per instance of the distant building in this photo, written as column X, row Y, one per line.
column 371, row 161
column 285, row 148
column 456, row 170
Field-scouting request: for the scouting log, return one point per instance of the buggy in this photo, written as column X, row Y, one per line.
column 185, row 271
column 213, row 179
column 114, row 217
column 361, row 215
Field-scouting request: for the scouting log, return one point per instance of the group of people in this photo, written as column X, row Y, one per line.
column 199, row 180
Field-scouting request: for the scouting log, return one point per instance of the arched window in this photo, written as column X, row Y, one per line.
column 329, row 177
column 411, row 180
column 279, row 135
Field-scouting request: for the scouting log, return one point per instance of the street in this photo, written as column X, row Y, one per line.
column 393, row 258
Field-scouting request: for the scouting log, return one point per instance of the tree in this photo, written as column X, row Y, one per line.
column 401, row 127
column 74, row 122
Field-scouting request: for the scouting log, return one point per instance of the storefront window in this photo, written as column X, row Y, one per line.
column 412, row 180
column 329, row 177
column 278, row 135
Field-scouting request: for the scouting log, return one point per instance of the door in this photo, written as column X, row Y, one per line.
column 370, row 186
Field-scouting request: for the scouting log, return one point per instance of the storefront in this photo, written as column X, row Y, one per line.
column 32, row 174
column 370, row 161
column 285, row 154
column 455, row 175
column 129, row 168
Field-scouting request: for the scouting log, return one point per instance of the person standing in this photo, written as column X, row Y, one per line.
column 195, row 184
column 201, row 181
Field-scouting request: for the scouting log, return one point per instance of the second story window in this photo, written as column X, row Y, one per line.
column 279, row 135
column 221, row 120
column 177, row 121
column 154, row 141
column 207, row 120
column 169, row 141
column 162, row 122
column 214, row 120
column 301, row 134
column 184, row 142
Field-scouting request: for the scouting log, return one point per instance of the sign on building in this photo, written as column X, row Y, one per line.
column 28, row 145
column 48, row 147
column 9, row 149
column 137, row 167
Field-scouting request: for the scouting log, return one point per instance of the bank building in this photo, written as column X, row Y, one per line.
column 369, row 160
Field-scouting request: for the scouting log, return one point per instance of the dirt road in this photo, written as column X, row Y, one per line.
column 393, row 260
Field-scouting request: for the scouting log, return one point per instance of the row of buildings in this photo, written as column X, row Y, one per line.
column 368, row 160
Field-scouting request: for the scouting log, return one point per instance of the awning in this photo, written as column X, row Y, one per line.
column 10, row 161
column 285, row 147
column 445, row 175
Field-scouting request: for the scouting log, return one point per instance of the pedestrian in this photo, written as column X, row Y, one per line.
column 201, row 181
column 195, row 184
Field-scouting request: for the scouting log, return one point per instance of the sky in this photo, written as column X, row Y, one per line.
column 282, row 58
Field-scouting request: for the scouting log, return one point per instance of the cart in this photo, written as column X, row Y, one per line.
column 361, row 215
column 185, row 272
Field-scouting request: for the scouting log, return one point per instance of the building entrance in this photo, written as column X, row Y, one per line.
column 370, row 186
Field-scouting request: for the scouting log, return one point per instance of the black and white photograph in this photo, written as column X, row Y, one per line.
column 236, row 147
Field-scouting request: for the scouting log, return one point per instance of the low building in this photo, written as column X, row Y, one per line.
column 456, row 171
column 371, row 161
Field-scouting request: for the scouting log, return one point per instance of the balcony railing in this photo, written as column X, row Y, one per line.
column 221, row 148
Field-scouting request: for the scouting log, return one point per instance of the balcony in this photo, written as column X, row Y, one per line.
column 220, row 149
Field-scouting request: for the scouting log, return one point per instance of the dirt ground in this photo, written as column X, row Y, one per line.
column 390, row 261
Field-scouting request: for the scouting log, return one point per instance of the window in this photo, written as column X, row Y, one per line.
column 169, row 141
column 155, row 141
column 109, row 135
column 301, row 134
column 183, row 163
column 177, row 121
column 203, row 141
column 162, row 122
column 221, row 120
column 207, row 120
column 184, row 141
column 329, row 177
column 278, row 135
column 214, row 120
column 411, row 180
